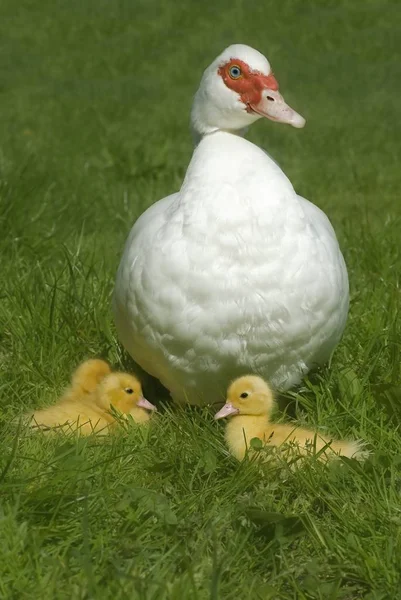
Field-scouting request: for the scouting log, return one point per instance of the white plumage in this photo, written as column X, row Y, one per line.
column 235, row 273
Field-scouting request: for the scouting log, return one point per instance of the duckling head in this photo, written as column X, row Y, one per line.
column 89, row 374
column 248, row 395
column 124, row 392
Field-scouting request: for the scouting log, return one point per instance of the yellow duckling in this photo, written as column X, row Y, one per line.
column 86, row 404
column 87, row 376
column 250, row 403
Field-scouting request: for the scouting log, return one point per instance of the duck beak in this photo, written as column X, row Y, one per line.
column 143, row 403
column 227, row 410
column 273, row 106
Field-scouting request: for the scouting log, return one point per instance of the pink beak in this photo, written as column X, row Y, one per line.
column 227, row 410
column 273, row 106
column 143, row 403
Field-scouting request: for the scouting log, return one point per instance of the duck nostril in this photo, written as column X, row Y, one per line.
column 270, row 98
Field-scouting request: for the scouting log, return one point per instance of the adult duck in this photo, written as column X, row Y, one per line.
column 235, row 273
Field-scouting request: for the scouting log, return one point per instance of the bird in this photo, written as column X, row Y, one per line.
column 236, row 272
column 88, row 375
column 86, row 406
column 250, row 403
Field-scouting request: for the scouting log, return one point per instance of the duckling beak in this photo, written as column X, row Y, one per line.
column 227, row 410
column 143, row 403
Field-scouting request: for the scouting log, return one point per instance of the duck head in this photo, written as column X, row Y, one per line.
column 236, row 90
column 248, row 395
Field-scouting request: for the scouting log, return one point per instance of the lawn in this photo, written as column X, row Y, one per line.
column 95, row 100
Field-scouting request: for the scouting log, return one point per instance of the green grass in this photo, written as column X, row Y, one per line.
column 95, row 98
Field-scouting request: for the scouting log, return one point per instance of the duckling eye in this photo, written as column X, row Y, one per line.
column 244, row 395
column 235, row 72
column 129, row 391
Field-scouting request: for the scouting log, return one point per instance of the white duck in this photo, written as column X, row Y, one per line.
column 235, row 273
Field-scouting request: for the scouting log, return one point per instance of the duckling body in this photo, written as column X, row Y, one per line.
column 86, row 405
column 250, row 403
column 242, row 429
column 68, row 415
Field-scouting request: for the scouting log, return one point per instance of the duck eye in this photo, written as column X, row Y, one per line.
column 244, row 395
column 129, row 391
column 234, row 72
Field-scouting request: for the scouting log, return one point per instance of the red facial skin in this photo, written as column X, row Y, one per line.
column 249, row 85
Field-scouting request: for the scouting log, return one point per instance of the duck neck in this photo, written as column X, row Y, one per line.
column 197, row 136
column 226, row 158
